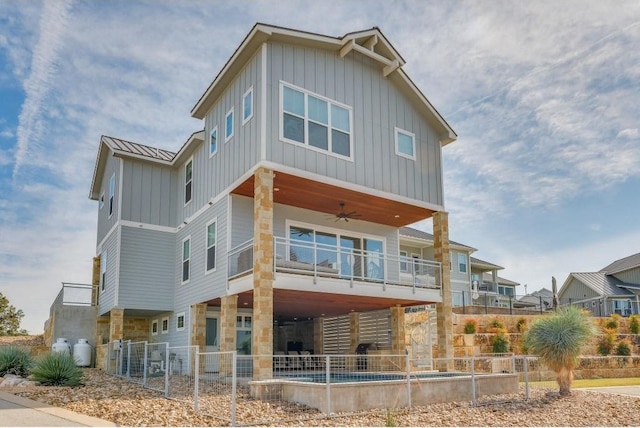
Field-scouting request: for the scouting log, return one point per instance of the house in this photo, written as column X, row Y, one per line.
column 540, row 300
column 614, row 289
column 286, row 210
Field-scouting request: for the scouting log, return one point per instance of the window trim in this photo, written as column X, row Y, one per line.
column 184, row 320
column 206, row 245
column 162, row 329
column 157, row 327
column 466, row 263
column 112, row 193
column 404, row 260
column 190, row 181
column 306, row 120
column 244, row 98
column 214, row 130
column 103, row 270
column 188, row 260
column 398, row 131
column 226, row 123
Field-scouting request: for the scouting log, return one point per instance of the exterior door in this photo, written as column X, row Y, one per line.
column 212, row 363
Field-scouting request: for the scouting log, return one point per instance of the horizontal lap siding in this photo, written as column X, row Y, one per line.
column 378, row 107
column 107, row 297
column 146, row 269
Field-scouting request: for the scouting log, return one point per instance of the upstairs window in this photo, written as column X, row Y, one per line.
column 186, row 258
column 247, row 105
column 315, row 121
column 462, row 263
column 211, row 246
column 102, row 200
column 213, row 141
column 188, row 181
column 405, row 144
column 112, row 193
column 228, row 126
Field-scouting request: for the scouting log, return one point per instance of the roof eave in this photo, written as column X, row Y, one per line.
column 98, row 169
column 186, row 149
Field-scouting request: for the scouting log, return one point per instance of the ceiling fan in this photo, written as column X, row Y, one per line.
column 343, row 215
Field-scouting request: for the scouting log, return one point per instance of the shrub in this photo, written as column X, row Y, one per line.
column 623, row 348
column 606, row 342
column 470, row 326
column 500, row 343
column 521, row 325
column 612, row 323
column 634, row 323
column 15, row 360
column 390, row 419
column 496, row 325
column 58, row 368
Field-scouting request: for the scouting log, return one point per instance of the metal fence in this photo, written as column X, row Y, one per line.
column 221, row 385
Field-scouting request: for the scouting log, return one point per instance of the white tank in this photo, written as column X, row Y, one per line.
column 82, row 353
column 61, row 345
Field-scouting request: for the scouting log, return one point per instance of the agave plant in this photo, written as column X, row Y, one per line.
column 57, row 368
column 15, row 360
column 557, row 339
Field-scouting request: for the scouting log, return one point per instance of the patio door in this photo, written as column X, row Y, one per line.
column 212, row 332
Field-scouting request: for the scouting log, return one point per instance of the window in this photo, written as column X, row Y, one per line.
column 247, row 105
column 188, row 181
column 211, row 246
column 102, row 200
column 112, row 193
column 213, row 141
column 405, row 144
column 186, row 257
column 404, row 266
column 165, row 325
column 103, row 270
column 506, row 291
column 315, row 121
column 180, row 321
column 154, row 327
column 243, row 334
column 228, row 126
column 462, row 263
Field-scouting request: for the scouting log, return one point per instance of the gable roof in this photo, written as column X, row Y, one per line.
column 371, row 43
column 487, row 277
column 623, row 264
column 600, row 282
column 484, row 265
column 127, row 149
column 410, row 232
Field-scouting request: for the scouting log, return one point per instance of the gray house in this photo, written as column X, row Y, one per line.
column 615, row 289
column 286, row 208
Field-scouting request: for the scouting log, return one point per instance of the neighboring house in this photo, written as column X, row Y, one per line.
column 539, row 300
column 615, row 289
column 466, row 272
column 287, row 209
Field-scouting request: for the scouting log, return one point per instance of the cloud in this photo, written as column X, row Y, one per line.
column 43, row 71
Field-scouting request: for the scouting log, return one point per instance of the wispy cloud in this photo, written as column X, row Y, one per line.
column 53, row 25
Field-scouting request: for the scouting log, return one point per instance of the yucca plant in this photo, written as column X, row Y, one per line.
column 557, row 339
column 15, row 360
column 57, row 368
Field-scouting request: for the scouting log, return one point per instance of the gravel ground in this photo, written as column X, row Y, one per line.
column 128, row 404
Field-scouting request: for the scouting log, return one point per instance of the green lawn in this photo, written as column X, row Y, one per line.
column 596, row 383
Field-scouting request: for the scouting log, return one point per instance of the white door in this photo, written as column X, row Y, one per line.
column 212, row 363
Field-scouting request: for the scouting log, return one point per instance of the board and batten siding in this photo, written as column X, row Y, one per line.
column 378, row 107
column 112, row 247
column 146, row 269
column 241, row 220
column 631, row 276
column 106, row 222
column 202, row 286
column 148, row 193
column 576, row 290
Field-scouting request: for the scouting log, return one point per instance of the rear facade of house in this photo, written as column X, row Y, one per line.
column 285, row 210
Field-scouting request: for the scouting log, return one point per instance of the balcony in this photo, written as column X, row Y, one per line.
column 320, row 261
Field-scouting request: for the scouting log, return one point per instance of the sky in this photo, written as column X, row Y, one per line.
column 544, row 178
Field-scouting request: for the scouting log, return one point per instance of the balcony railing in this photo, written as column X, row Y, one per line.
column 321, row 260
column 75, row 295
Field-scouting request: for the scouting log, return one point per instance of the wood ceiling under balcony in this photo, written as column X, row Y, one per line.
column 316, row 196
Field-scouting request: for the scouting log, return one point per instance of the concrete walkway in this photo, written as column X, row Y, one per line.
column 21, row 412
column 633, row 391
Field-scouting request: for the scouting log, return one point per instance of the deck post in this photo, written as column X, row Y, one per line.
column 444, row 308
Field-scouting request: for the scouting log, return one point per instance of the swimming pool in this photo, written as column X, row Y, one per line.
column 360, row 377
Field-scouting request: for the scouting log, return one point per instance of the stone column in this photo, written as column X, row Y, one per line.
column 116, row 324
column 398, row 336
column 318, row 336
column 198, row 325
column 262, row 333
column 228, row 313
column 444, row 309
column 354, row 331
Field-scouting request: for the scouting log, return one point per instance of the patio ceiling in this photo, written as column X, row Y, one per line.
column 316, row 196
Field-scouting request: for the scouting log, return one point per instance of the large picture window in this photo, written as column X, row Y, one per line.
column 211, row 246
column 315, row 121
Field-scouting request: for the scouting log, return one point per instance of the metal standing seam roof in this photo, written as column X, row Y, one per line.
column 602, row 284
column 625, row 263
column 138, row 149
